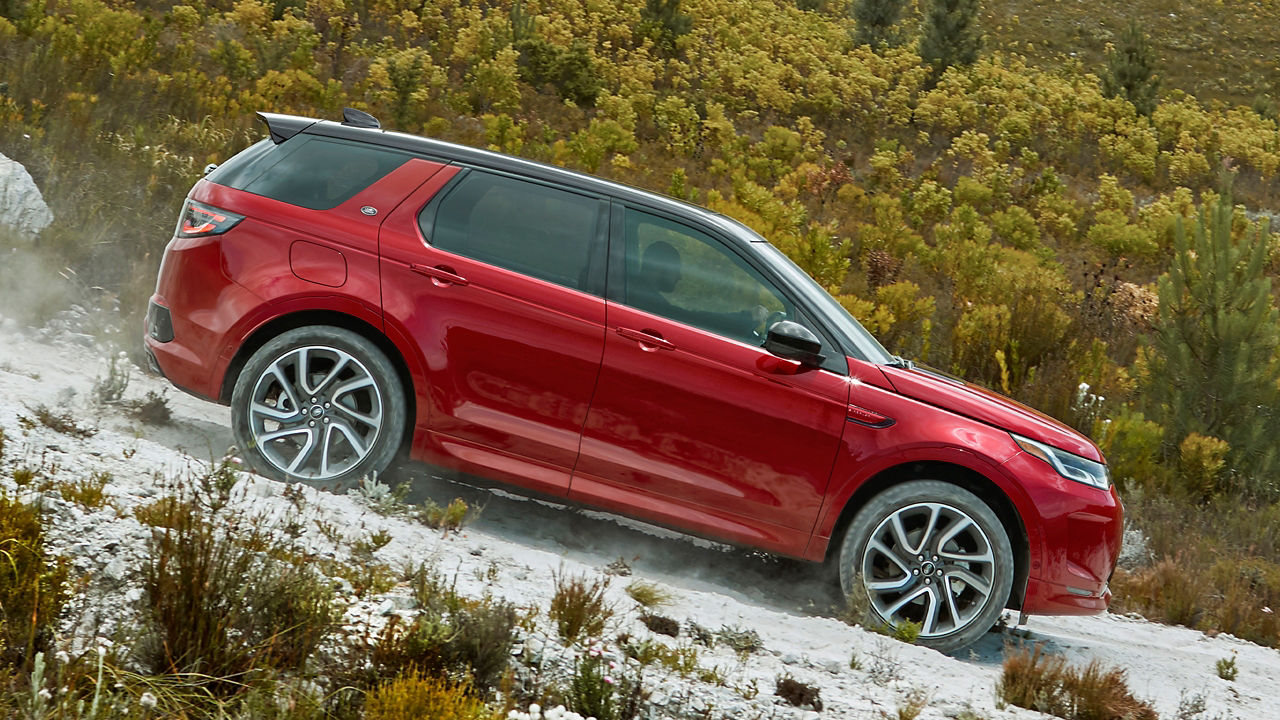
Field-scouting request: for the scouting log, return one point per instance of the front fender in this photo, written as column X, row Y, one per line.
column 919, row 433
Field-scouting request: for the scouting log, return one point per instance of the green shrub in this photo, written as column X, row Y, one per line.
column 570, row 71
column 451, row 635
column 603, row 689
column 450, row 518
column 1214, row 363
column 1226, row 668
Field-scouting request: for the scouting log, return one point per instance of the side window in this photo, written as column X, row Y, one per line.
column 321, row 174
column 684, row 275
column 522, row 226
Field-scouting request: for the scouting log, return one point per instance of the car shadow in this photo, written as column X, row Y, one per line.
column 599, row 538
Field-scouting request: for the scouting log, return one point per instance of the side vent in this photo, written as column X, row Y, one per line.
column 359, row 118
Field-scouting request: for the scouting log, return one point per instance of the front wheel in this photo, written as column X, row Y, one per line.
column 318, row 404
column 929, row 553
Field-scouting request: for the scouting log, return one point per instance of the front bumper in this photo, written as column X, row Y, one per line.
column 1074, row 540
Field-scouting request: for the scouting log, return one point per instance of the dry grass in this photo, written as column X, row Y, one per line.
column 799, row 694
column 912, row 705
column 218, row 602
column 579, row 607
column 87, row 492
column 1203, row 48
column 1035, row 680
column 449, row 518
column 661, row 624
column 153, row 409
column 1165, row 591
column 649, row 595
column 58, row 422
column 1216, row 567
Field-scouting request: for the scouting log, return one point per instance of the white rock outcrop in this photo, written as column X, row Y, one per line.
column 22, row 207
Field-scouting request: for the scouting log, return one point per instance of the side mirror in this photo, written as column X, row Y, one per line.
column 794, row 341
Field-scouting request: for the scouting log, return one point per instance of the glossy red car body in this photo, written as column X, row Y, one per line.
column 547, row 388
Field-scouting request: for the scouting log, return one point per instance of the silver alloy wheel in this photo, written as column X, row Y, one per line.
column 315, row 412
column 929, row 563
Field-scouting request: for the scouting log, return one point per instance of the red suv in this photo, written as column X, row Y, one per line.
column 350, row 291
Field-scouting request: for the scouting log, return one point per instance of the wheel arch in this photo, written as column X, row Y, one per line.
column 959, row 475
column 272, row 328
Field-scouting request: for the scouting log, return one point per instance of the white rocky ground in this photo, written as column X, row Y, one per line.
column 522, row 542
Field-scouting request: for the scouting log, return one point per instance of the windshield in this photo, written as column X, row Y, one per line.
column 833, row 312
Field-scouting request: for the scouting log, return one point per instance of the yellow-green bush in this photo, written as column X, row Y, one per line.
column 1131, row 444
column 1201, row 461
column 414, row 696
column 31, row 584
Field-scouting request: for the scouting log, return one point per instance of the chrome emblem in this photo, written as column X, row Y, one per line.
column 369, row 210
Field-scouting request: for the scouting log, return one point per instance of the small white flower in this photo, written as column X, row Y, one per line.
column 147, row 700
column 63, row 657
column 1266, row 610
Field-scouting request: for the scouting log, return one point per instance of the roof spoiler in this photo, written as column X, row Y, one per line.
column 283, row 127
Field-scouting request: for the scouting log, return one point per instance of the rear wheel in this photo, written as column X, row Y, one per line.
column 319, row 404
column 929, row 553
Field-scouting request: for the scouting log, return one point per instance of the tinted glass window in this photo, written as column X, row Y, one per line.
column 529, row 228
column 318, row 173
column 685, row 275
column 239, row 171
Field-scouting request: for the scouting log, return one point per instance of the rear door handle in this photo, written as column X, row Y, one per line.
column 439, row 274
column 648, row 340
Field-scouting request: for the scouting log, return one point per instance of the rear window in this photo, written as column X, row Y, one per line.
column 309, row 171
column 545, row 232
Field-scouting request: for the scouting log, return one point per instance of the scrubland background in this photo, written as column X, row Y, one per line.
column 1012, row 220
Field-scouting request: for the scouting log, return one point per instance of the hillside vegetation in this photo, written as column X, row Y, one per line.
column 1006, row 220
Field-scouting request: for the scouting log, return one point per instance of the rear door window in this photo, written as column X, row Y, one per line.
column 526, row 227
column 309, row 171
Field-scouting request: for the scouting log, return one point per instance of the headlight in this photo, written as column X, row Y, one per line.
column 1068, row 465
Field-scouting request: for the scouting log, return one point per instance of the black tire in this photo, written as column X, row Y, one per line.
column 903, row 574
column 323, row 391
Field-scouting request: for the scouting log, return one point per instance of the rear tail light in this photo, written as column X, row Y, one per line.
column 200, row 220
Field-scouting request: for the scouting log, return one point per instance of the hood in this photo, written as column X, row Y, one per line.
column 949, row 393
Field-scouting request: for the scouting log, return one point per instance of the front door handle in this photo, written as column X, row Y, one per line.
column 648, row 340
column 439, row 274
